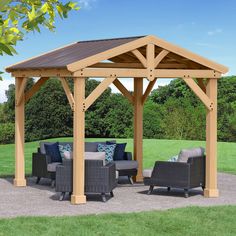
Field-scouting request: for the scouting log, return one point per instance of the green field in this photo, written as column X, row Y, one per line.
column 154, row 149
column 184, row 221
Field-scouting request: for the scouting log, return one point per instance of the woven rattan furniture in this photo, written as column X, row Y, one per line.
column 178, row 175
column 99, row 178
column 41, row 162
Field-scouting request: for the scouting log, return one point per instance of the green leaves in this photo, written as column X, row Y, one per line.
column 20, row 17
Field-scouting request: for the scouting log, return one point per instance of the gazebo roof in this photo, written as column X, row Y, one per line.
column 84, row 54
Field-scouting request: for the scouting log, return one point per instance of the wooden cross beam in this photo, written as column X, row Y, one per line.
column 123, row 90
column 97, row 92
column 200, row 94
column 35, row 88
column 69, row 94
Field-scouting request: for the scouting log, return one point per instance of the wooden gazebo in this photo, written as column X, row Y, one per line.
column 113, row 59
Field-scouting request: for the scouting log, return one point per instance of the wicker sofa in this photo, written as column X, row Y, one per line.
column 42, row 166
column 177, row 175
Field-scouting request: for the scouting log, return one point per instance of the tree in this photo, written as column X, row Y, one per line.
column 18, row 17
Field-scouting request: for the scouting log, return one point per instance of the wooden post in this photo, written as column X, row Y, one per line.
column 19, row 179
column 78, row 196
column 138, row 126
column 211, row 141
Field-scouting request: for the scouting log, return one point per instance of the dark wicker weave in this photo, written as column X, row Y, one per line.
column 39, row 167
column 98, row 178
column 178, row 174
column 40, row 162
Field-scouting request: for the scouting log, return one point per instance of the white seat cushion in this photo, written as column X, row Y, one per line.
column 147, row 173
column 117, row 174
column 95, row 156
column 52, row 166
column 193, row 152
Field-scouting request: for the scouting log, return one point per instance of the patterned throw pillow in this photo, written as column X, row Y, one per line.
column 65, row 151
column 108, row 149
column 173, row 159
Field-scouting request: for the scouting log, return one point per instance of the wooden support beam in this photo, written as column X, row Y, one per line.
column 78, row 196
column 121, row 72
column 21, row 91
column 150, row 61
column 148, row 90
column 140, row 56
column 201, row 84
column 30, row 93
column 199, row 93
column 138, row 126
column 110, row 72
column 175, row 73
column 19, row 179
column 45, row 72
column 69, row 94
column 211, row 189
column 160, row 57
column 98, row 91
column 123, row 90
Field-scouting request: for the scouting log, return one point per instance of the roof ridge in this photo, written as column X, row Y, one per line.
column 109, row 39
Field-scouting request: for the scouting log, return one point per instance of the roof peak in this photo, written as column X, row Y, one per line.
column 97, row 40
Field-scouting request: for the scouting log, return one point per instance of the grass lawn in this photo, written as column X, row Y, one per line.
column 183, row 221
column 154, row 149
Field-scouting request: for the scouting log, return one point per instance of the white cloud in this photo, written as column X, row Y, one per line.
column 213, row 32
column 3, row 87
column 86, row 4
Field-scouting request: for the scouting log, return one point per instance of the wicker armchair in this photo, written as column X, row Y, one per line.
column 98, row 178
column 178, row 175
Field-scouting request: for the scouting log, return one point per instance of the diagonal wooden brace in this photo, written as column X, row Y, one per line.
column 140, row 56
column 30, row 93
column 69, row 94
column 148, row 90
column 98, row 91
column 123, row 90
column 199, row 93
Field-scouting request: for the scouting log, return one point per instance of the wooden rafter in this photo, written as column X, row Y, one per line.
column 21, row 91
column 148, row 90
column 69, row 94
column 201, row 84
column 123, row 90
column 160, row 57
column 108, row 54
column 98, row 91
column 140, row 56
column 35, row 88
column 200, row 94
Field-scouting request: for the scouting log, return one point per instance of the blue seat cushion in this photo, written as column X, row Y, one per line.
column 119, row 151
column 52, row 150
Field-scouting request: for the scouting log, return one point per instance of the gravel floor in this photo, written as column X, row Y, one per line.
column 41, row 200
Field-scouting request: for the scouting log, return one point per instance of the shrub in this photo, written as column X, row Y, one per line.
column 7, row 133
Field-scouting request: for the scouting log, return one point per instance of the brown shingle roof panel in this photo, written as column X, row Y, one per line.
column 75, row 52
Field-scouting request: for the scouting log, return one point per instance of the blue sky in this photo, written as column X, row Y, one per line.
column 205, row 27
